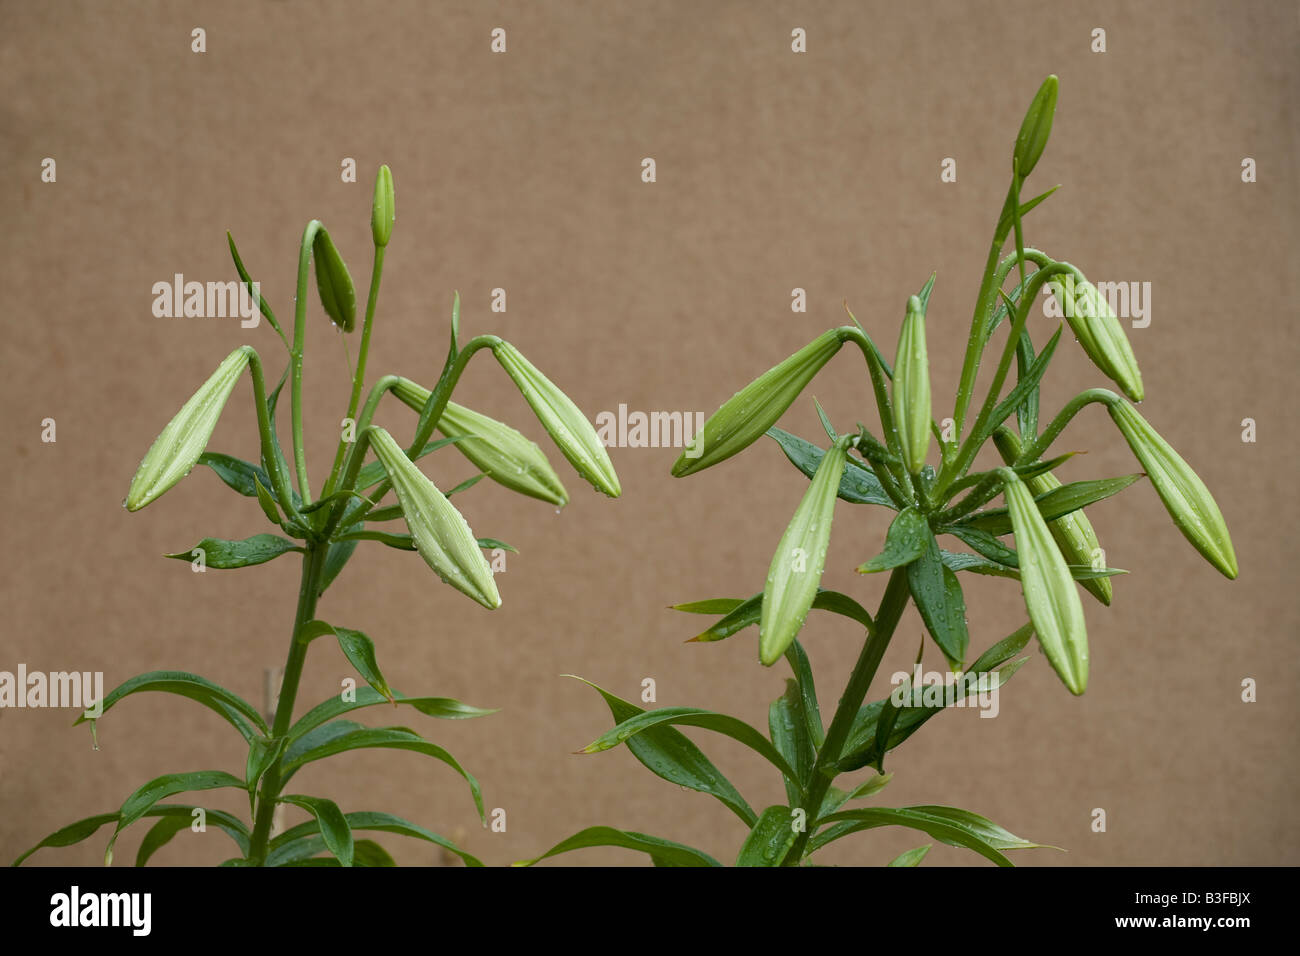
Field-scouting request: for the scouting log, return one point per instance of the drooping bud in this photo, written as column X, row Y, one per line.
column 1098, row 330
column 334, row 282
column 177, row 449
column 747, row 415
column 441, row 535
column 796, row 569
column 1050, row 594
column 1185, row 496
column 912, row 388
column 382, row 212
column 508, row 458
column 563, row 421
column 1073, row 532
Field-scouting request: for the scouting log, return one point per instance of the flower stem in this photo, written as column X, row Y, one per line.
column 313, row 565
column 873, row 649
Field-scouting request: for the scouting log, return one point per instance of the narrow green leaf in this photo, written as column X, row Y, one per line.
column 219, row 553
column 334, row 282
column 663, row 852
column 857, row 485
column 1053, row 504
column 946, row 829
column 911, row 857
column 802, row 668
column 238, row 474
column 907, row 539
column 769, row 840
column 282, row 847
column 160, row 788
column 333, row 824
column 938, row 597
column 788, row 727
column 237, row 711
column 713, row 606
column 262, row 752
column 444, row 708
column 747, row 613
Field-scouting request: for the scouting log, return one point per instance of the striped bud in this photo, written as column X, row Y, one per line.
column 504, row 454
column 1186, row 498
column 748, row 414
column 177, row 449
column 562, row 419
column 1050, row 594
column 1099, row 331
column 912, row 388
column 441, row 535
column 796, row 569
column 382, row 211
column 334, row 282
column 1073, row 533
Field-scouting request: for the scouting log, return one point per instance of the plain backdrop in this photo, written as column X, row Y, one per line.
column 522, row 171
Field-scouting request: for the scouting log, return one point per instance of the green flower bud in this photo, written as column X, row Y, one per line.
column 382, row 212
column 441, row 535
column 504, row 454
column 1186, row 498
column 1099, row 331
column 177, row 449
column 333, row 282
column 1073, row 533
column 1050, row 594
column 747, row 415
column 1036, row 127
column 912, row 388
column 562, row 419
column 796, row 569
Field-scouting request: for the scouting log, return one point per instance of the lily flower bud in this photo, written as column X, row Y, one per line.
column 912, row 388
column 1099, row 331
column 382, row 211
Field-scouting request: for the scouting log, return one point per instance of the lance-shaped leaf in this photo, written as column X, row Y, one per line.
column 1098, row 330
column 912, row 387
column 382, row 210
column 177, row 449
column 441, row 535
column 1186, row 498
column 938, row 597
column 1073, row 532
column 220, row 553
column 496, row 449
column 288, row 845
column 908, row 537
column 662, row 852
column 242, row 715
column 769, row 840
column 796, row 568
column 334, row 829
column 334, row 282
column 748, row 613
column 139, row 803
column 1036, row 127
column 563, row 420
column 74, row 833
column 1050, row 594
column 749, row 413
column 858, row 485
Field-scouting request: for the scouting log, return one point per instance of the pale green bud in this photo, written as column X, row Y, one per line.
column 1050, row 595
column 334, row 282
column 508, row 458
column 796, row 569
column 1186, row 498
column 563, row 421
column 747, row 415
column 1036, row 127
column 177, row 449
column 441, row 534
column 382, row 211
column 1099, row 331
column 912, row 388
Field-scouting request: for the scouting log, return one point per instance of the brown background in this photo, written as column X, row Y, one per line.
column 523, row 171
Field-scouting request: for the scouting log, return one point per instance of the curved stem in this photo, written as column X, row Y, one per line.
column 359, row 376
column 873, row 649
column 875, row 365
column 313, row 565
column 279, row 479
column 1034, row 449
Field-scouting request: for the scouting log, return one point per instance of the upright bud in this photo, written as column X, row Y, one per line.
column 507, row 457
column 440, row 533
column 796, row 569
column 333, row 282
column 382, row 211
column 1185, row 496
column 1050, row 594
column 747, row 415
column 562, row 419
column 1073, row 532
column 1036, row 127
column 177, row 449
column 1099, row 331
column 912, row 387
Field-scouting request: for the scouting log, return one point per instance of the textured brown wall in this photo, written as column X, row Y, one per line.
column 775, row 170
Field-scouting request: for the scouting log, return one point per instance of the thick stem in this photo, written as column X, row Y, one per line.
column 873, row 649
column 313, row 564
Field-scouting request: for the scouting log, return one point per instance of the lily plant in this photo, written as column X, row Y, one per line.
column 1054, row 554
column 325, row 530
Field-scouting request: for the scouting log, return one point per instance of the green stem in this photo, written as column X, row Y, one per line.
column 359, row 376
column 279, row 478
column 887, row 423
column 873, row 649
column 313, row 565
